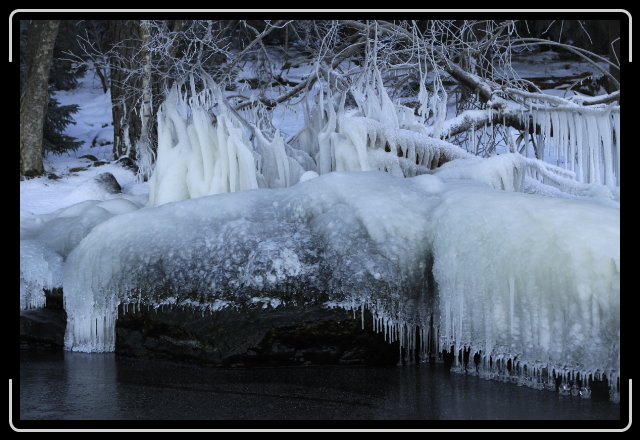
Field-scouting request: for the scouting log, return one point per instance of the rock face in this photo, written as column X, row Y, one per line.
column 250, row 336
column 42, row 328
column 254, row 337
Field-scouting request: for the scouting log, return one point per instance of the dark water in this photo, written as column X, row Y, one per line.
column 57, row 386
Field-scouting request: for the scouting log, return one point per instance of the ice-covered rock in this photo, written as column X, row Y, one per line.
column 505, row 273
column 47, row 239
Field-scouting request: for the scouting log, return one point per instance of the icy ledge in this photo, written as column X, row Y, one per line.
column 511, row 276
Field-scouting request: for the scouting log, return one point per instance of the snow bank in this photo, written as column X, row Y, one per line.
column 507, row 273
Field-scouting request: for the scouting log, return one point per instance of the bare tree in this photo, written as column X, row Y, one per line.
column 33, row 102
column 124, row 35
column 420, row 64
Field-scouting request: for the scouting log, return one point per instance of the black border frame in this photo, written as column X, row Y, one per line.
column 572, row 425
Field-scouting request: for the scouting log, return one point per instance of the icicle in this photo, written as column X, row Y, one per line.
column 616, row 123
column 526, row 136
column 555, row 126
column 546, row 138
column 512, row 296
column 582, row 148
column 473, row 140
column 605, row 132
column 593, row 141
column 562, row 139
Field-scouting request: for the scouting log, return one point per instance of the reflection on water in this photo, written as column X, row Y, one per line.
column 58, row 386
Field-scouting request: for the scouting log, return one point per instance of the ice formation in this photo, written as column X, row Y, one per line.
column 202, row 151
column 547, row 298
column 40, row 268
column 47, row 239
column 585, row 140
column 514, row 172
column 515, row 276
column 205, row 147
column 376, row 134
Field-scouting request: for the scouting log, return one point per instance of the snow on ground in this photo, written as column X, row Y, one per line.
column 43, row 195
column 93, row 120
column 94, row 128
column 551, row 63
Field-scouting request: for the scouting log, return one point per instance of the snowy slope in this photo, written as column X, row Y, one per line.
column 94, row 128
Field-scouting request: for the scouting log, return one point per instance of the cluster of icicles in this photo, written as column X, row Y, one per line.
column 417, row 343
column 585, row 141
column 205, row 147
column 422, row 342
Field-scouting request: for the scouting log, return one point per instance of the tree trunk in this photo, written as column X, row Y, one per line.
column 33, row 105
column 124, row 34
column 143, row 144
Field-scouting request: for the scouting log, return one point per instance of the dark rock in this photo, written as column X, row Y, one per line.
column 128, row 164
column 90, row 157
column 54, row 298
column 254, row 337
column 99, row 163
column 77, row 169
column 243, row 337
column 42, row 327
column 108, row 182
column 52, row 176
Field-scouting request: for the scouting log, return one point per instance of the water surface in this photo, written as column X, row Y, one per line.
column 76, row 386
